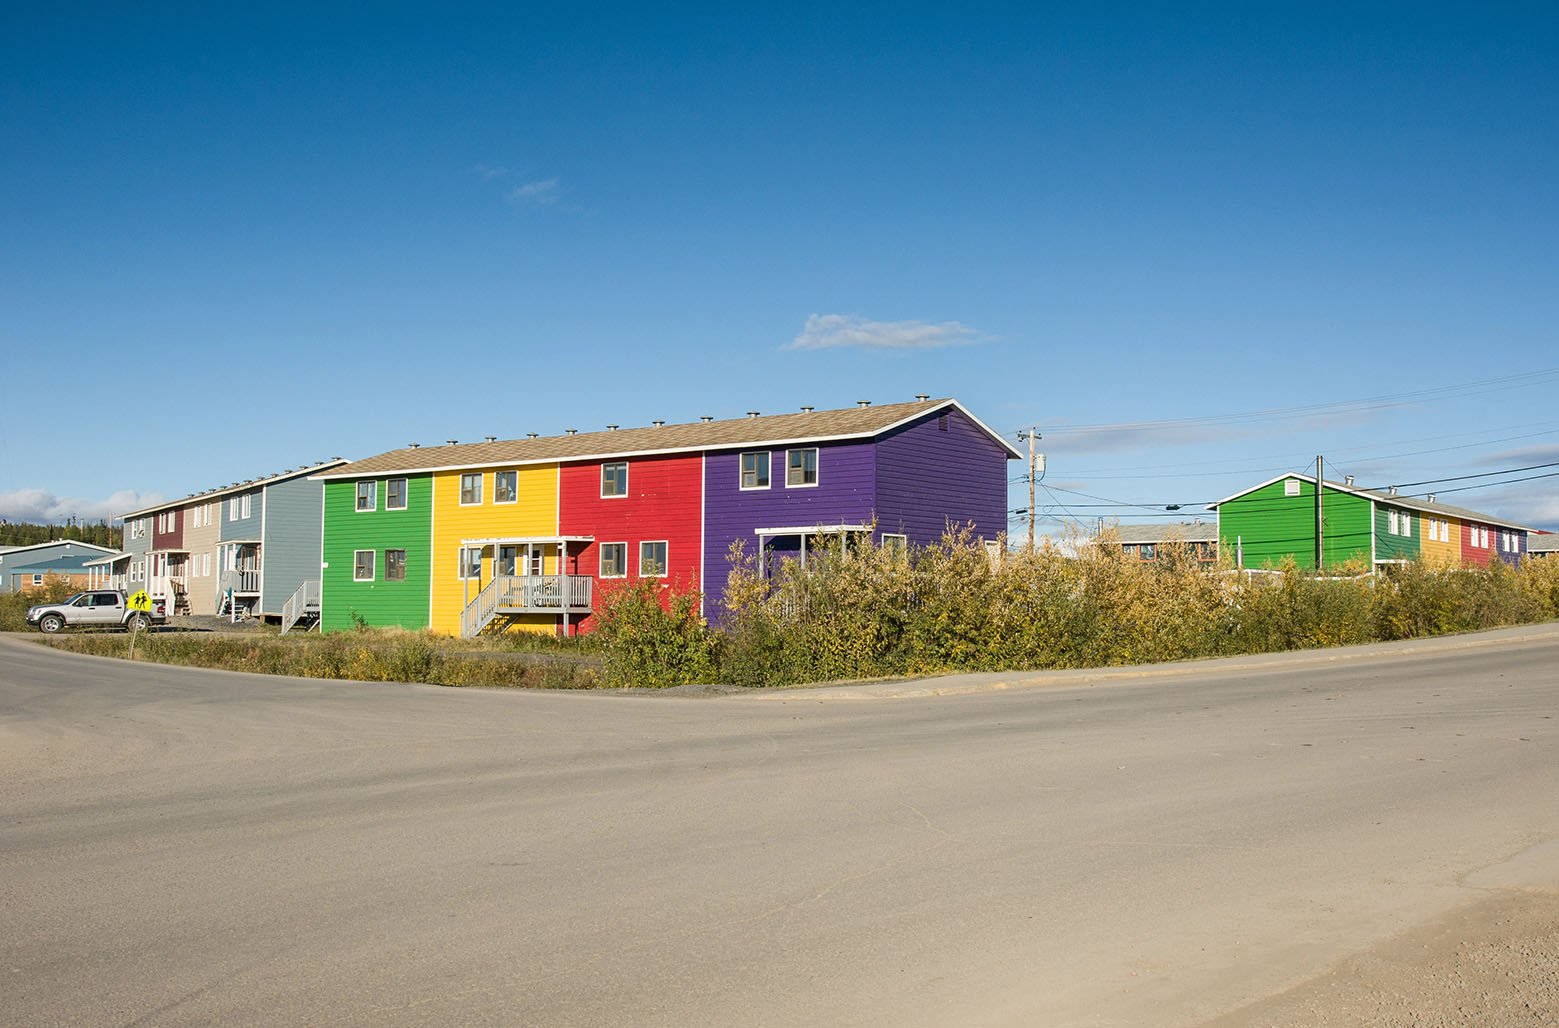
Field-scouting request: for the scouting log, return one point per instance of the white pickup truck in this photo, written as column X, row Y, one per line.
column 99, row 608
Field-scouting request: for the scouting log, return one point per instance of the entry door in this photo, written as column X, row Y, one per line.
column 508, row 560
column 534, row 559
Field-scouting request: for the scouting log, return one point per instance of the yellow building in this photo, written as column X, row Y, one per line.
column 486, row 522
column 1440, row 540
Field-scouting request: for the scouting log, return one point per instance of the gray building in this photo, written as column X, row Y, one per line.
column 26, row 567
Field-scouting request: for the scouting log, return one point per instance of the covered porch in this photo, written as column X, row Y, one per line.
column 524, row 575
column 795, row 541
column 110, row 572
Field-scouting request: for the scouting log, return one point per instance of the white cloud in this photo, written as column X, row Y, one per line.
column 488, row 172
column 828, row 331
column 38, row 505
column 542, row 192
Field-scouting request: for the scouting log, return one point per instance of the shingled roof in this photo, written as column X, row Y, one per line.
column 1418, row 503
column 771, row 430
column 237, row 487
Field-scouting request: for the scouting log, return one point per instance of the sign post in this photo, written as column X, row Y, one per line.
column 140, row 603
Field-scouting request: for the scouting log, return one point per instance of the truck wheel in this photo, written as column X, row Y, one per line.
column 50, row 623
column 140, row 623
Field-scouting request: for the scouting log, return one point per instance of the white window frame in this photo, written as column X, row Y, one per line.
column 1391, row 523
column 1407, row 525
column 388, row 565
column 232, row 508
column 623, row 572
column 205, row 565
column 481, row 487
column 624, row 484
column 665, row 566
column 768, row 470
column 373, row 496
column 373, row 565
column 247, row 510
column 896, row 543
column 467, row 570
column 514, row 496
column 389, row 493
column 1483, row 538
column 1291, row 487
column 817, row 468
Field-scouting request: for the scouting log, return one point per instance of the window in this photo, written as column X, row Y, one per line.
column 1291, row 487
column 895, row 543
column 1483, row 538
column 470, row 489
column 362, row 565
column 205, row 565
column 246, row 504
column 1391, row 518
column 506, row 487
column 367, row 496
column 755, row 470
column 614, row 560
column 395, row 494
column 801, row 467
column 1147, row 551
column 1407, row 525
column 395, row 565
column 614, row 479
column 470, row 562
column 652, row 560
column 232, row 505
column 37, row 579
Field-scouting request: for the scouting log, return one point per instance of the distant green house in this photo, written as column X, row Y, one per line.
column 1275, row 521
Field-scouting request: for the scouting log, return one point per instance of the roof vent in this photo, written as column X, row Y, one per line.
column 571, row 431
column 1392, row 491
column 611, row 428
column 1431, row 497
column 490, row 438
column 706, row 418
column 413, row 446
column 922, row 397
column 450, row 442
column 1348, row 480
column 533, row 435
column 863, row 403
column 807, row 410
column 752, row 414
column 658, row 422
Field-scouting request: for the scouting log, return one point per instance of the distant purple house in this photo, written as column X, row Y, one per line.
column 908, row 473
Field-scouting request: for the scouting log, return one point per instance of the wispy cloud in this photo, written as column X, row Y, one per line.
column 542, row 193
column 830, row 331
column 488, row 172
column 40, row 505
column 1524, row 456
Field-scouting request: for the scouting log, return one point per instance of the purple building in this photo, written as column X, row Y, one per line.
column 906, row 471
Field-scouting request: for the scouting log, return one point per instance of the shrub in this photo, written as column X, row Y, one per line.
column 653, row 636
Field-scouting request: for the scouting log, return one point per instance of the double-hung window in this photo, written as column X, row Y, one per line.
column 506, row 486
column 362, row 565
column 395, row 565
column 614, row 560
column 614, row 479
column 470, row 562
column 471, row 489
column 895, row 544
column 652, row 560
column 755, row 470
column 801, row 467
column 367, row 497
column 395, row 494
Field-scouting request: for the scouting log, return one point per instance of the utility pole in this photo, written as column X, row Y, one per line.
column 1032, row 434
column 1320, row 548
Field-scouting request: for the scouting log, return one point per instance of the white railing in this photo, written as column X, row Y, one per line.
column 300, row 604
column 241, row 580
column 527, row 594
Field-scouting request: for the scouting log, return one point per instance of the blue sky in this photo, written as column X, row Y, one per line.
column 260, row 238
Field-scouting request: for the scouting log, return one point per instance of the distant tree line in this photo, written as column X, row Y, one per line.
column 22, row 533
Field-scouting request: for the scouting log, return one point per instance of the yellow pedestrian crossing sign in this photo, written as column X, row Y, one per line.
column 140, row 601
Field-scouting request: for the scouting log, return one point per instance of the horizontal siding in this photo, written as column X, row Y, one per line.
column 379, row 602
column 928, row 478
column 1272, row 526
column 202, row 541
column 846, row 493
column 534, row 513
column 663, row 503
column 244, row 527
column 1404, row 544
column 290, row 551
